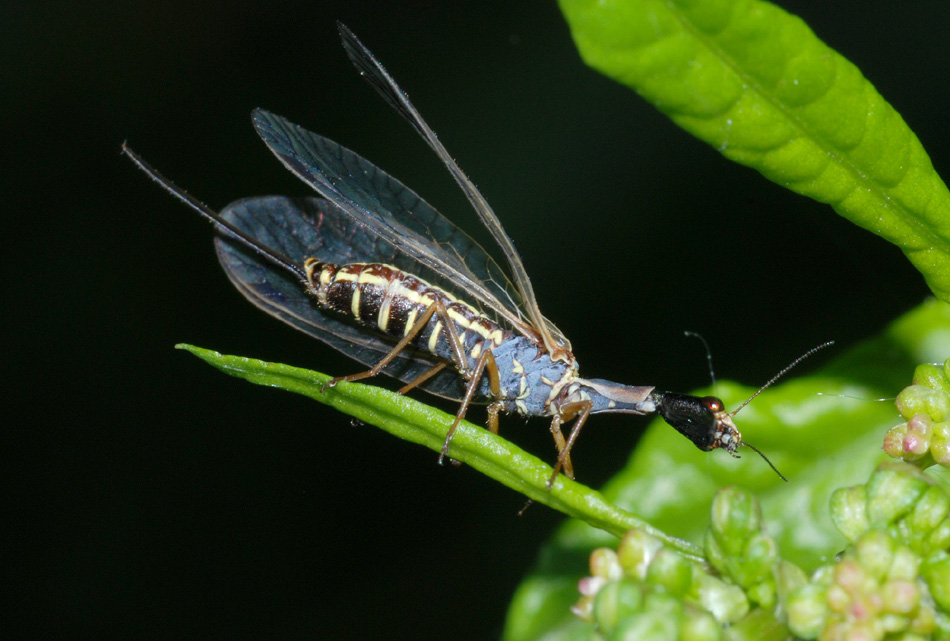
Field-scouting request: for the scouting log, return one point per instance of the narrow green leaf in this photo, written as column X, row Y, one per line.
column 758, row 85
column 419, row 423
column 820, row 440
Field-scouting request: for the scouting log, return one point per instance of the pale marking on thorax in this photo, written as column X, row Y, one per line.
column 523, row 391
column 570, row 376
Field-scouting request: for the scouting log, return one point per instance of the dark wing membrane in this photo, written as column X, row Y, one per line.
column 384, row 84
column 301, row 228
column 385, row 207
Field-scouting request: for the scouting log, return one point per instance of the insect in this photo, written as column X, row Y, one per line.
column 377, row 273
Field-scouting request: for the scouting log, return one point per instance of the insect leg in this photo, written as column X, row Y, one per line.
column 581, row 409
column 561, row 444
column 493, row 409
column 435, row 308
column 422, row 378
column 485, row 362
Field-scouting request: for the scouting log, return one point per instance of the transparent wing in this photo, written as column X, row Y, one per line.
column 386, row 208
column 301, row 228
column 384, row 84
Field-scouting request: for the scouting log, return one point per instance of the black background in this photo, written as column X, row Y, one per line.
column 152, row 497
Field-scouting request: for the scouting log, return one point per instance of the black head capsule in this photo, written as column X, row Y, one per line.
column 704, row 421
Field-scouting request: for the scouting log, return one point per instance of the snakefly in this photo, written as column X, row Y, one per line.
column 377, row 273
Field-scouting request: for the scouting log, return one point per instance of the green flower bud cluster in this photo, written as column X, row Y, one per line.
column 924, row 439
column 893, row 582
column 873, row 593
column 647, row 591
column 739, row 549
column 901, row 500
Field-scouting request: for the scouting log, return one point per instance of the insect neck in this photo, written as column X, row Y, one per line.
column 608, row 396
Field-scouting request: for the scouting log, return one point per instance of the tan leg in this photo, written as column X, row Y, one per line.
column 580, row 409
column 561, row 444
column 435, row 308
column 422, row 378
column 493, row 409
column 485, row 362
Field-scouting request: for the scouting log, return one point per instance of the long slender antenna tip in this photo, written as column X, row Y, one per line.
column 709, row 361
column 224, row 227
column 782, row 373
column 766, row 459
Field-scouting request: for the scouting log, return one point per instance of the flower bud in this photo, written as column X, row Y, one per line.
column 807, row 610
column 849, row 511
column 616, row 601
column 940, row 538
column 672, row 571
column 645, row 626
column 932, row 376
column 875, row 552
column 727, row 603
column 788, row 579
column 940, row 443
column 919, row 399
column 636, row 552
column 700, row 626
column 900, row 596
column 917, row 439
column 893, row 490
column 932, row 509
column 604, row 564
column 906, row 564
column 936, row 574
column 735, row 517
column 894, row 441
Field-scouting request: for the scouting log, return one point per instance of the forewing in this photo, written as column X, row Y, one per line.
column 301, row 228
column 390, row 210
column 385, row 85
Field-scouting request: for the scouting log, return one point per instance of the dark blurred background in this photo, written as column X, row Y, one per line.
column 151, row 496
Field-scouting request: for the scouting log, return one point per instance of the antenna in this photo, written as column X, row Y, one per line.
column 778, row 376
column 224, row 228
column 764, row 458
column 709, row 361
column 766, row 386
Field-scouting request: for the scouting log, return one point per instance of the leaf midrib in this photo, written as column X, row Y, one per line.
column 924, row 231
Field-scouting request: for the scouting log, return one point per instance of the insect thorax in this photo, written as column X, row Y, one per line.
column 532, row 383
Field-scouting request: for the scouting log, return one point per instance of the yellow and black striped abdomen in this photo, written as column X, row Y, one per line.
column 392, row 301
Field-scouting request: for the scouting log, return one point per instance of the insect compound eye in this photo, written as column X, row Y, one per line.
column 713, row 403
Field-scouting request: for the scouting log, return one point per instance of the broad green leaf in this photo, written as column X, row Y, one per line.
column 824, row 431
column 758, row 85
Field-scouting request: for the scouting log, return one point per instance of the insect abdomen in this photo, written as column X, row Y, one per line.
column 392, row 301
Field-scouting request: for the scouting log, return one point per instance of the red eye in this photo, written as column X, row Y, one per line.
column 713, row 404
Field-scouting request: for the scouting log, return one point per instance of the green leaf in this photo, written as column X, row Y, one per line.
column 759, row 86
column 821, row 441
column 413, row 421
